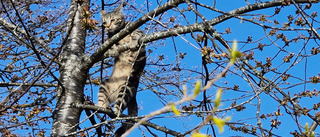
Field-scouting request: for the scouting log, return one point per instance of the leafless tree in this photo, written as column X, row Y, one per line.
column 53, row 59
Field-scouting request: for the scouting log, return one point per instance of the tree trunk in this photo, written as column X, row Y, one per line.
column 73, row 74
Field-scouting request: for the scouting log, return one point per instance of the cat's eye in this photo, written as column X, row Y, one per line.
column 112, row 20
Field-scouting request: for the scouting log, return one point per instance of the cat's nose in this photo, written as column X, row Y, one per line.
column 107, row 25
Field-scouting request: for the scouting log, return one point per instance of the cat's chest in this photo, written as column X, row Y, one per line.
column 131, row 39
column 125, row 40
column 128, row 56
column 124, row 62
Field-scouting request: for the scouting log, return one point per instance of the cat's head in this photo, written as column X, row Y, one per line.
column 113, row 21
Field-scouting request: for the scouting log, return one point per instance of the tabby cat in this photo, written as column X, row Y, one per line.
column 121, row 87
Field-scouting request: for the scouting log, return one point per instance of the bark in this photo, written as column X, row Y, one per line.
column 72, row 74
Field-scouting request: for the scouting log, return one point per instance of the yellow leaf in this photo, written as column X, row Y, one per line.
column 312, row 134
column 197, row 134
column 174, row 109
column 227, row 119
column 219, row 122
column 197, row 88
column 234, row 52
column 307, row 130
column 307, row 127
column 218, row 98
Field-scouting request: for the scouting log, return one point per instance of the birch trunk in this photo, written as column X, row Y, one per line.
column 73, row 74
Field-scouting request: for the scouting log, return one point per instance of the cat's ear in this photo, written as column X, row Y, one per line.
column 103, row 12
column 119, row 8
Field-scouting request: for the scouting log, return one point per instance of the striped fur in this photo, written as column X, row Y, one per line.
column 121, row 87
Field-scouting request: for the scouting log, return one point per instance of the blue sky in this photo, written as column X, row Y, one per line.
column 148, row 101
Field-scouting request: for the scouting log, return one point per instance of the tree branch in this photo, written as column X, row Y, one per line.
column 6, row 84
column 110, row 113
column 98, row 55
column 201, row 26
column 13, row 29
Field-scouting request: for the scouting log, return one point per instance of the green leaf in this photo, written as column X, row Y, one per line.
column 218, row 98
column 234, row 53
column 197, row 88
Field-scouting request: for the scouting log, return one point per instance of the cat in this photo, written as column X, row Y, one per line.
column 121, row 87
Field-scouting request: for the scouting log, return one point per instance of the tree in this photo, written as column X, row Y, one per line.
column 51, row 67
